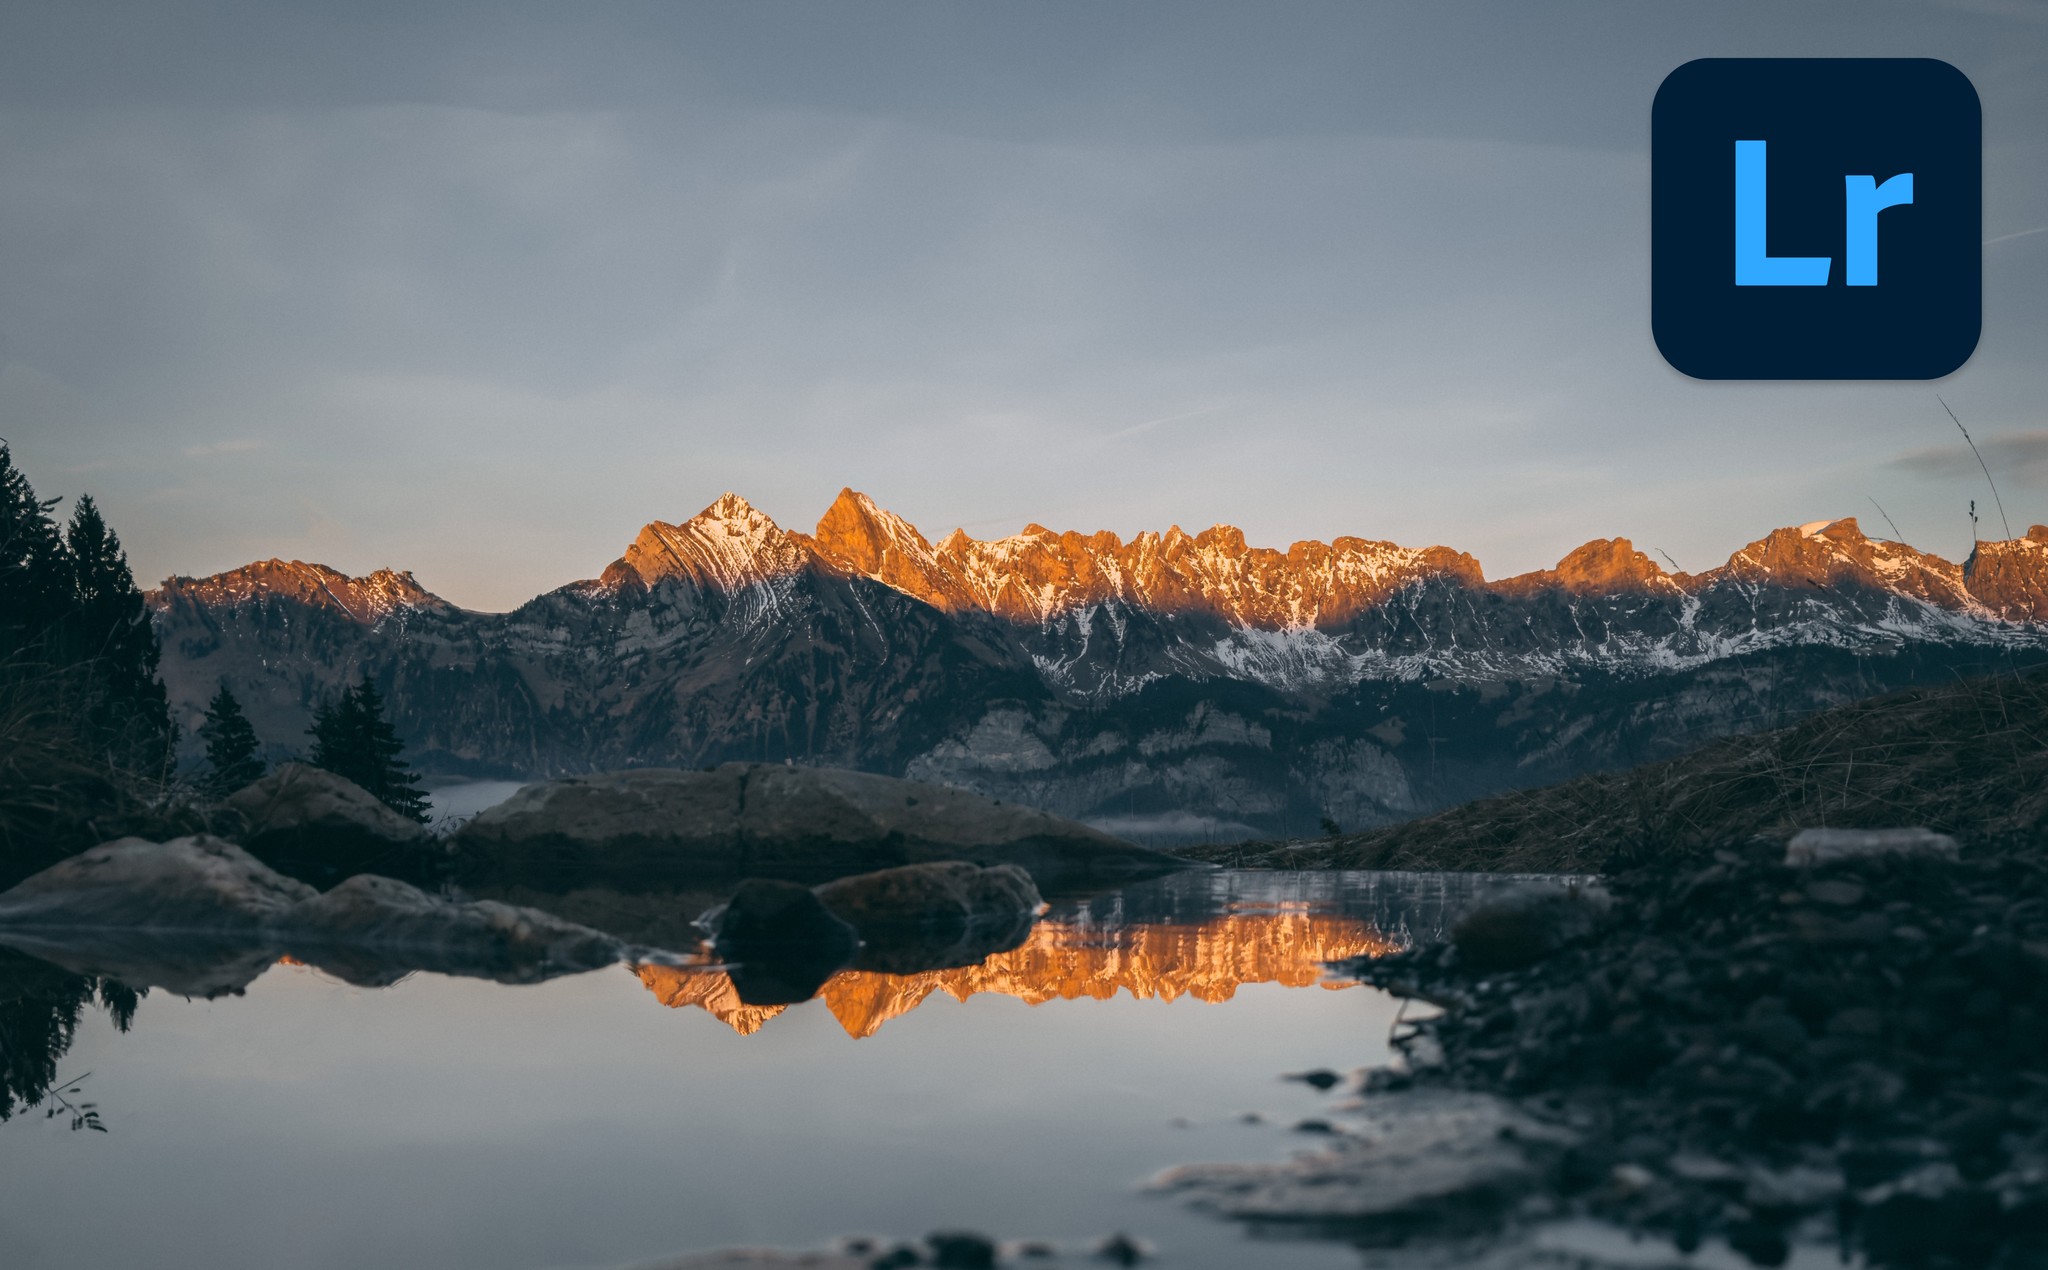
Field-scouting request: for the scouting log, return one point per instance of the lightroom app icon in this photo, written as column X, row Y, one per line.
column 1816, row 218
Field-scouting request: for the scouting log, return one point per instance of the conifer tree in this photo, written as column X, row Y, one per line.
column 35, row 583
column 108, row 632
column 231, row 747
column 352, row 739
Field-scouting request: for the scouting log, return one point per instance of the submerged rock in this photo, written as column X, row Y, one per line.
column 934, row 916
column 305, row 819
column 401, row 926
column 769, row 820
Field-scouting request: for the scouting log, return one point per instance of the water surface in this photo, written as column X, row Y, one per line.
column 614, row 1118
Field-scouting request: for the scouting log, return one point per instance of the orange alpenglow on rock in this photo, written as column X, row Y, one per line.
column 1037, row 575
column 1208, row 961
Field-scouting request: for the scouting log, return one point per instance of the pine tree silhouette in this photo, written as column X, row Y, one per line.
column 352, row 739
column 108, row 632
column 35, row 581
column 231, row 747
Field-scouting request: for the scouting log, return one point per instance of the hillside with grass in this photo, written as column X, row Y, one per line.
column 1969, row 758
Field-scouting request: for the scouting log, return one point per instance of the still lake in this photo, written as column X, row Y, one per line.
column 620, row 1117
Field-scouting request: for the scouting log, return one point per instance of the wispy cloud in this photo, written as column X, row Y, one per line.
column 2023, row 456
column 240, row 445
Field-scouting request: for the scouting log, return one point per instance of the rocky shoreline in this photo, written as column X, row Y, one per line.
column 1839, row 1045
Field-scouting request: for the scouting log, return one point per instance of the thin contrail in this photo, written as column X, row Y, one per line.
column 2038, row 229
column 1150, row 424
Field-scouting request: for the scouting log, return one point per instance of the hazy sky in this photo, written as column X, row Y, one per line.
column 477, row 290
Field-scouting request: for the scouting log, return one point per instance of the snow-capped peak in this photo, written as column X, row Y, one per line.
column 727, row 546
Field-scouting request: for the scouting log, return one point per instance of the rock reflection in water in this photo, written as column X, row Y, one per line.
column 1200, row 936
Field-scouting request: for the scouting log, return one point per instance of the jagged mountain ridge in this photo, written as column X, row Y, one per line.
column 1174, row 675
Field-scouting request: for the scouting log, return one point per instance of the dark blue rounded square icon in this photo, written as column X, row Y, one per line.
column 1816, row 218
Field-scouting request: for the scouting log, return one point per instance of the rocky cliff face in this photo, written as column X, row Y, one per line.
column 2011, row 578
column 1171, row 687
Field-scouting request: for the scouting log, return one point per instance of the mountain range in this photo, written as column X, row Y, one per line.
column 1176, row 686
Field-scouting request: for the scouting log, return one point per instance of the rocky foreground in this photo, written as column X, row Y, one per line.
column 1840, row 1044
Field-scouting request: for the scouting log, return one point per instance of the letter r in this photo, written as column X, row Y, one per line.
column 1863, row 199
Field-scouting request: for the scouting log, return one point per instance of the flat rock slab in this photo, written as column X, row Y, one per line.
column 191, row 884
column 1419, row 1162
column 201, row 916
column 770, row 820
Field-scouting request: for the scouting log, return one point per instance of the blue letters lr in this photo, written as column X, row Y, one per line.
column 1753, row 266
column 1865, row 198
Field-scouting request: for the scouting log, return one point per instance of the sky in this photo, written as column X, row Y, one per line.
column 476, row 290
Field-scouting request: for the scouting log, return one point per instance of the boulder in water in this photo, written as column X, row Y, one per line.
column 308, row 820
column 203, row 917
column 401, row 926
column 783, row 942
column 199, row 884
column 934, row 916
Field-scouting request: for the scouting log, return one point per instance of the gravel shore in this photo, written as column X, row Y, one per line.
column 1766, row 1048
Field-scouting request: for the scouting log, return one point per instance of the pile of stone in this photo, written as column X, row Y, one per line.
column 1841, row 1041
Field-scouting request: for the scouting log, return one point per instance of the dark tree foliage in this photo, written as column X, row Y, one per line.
column 352, row 738
column 231, row 747
column 73, row 623
column 35, row 582
column 84, row 726
column 41, row 1007
column 108, row 632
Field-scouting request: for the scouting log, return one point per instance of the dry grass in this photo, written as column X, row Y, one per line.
column 1969, row 758
column 57, row 797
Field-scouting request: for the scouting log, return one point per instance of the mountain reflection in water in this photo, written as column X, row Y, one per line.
column 449, row 1123
column 1197, row 935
